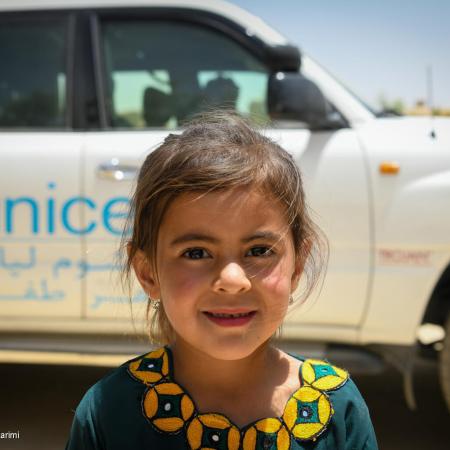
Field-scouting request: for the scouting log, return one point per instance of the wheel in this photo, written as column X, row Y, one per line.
column 444, row 364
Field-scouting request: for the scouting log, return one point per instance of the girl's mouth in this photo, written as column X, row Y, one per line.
column 228, row 319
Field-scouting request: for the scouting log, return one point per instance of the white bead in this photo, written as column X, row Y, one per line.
column 215, row 438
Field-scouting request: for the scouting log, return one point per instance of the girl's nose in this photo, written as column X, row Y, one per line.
column 232, row 279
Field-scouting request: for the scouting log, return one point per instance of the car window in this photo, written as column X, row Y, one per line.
column 32, row 73
column 158, row 73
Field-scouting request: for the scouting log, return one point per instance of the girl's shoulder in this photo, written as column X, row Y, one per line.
column 350, row 424
column 109, row 416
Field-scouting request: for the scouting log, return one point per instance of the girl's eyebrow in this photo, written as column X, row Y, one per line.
column 188, row 237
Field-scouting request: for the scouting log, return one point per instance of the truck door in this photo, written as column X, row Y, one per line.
column 40, row 190
column 156, row 73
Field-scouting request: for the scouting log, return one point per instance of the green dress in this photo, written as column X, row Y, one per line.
column 140, row 406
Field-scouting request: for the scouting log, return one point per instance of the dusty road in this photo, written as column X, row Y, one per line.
column 38, row 402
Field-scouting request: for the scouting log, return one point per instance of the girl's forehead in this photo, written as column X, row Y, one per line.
column 227, row 201
column 231, row 207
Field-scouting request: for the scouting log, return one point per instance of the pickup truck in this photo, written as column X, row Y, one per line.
column 89, row 87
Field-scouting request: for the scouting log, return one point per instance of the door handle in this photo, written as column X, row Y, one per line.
column 116, row 172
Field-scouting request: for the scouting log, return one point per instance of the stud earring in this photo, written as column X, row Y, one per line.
column 291, row 300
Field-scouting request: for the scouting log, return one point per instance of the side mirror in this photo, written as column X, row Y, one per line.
column 293, row 97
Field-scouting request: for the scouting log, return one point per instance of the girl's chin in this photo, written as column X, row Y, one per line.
column 227, row 347
column 234, row 350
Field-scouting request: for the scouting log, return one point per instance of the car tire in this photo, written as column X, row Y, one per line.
column 444, row 364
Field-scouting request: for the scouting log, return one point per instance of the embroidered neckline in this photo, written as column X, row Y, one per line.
column 170, row 409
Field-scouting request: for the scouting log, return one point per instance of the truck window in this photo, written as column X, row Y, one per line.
column 32, row 73
column 158, row 73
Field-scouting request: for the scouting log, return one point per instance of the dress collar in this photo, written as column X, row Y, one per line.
column 170, row 409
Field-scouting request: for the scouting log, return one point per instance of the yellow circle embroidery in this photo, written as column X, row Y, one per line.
column 168, row 407
column 307, row 413
column 209, row 431
column 267, row 433
column 321, row 375
column 150, row 368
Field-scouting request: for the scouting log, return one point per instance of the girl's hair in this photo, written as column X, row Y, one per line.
column 217, row 151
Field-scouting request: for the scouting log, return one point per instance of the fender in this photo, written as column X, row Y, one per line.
column 411, row 218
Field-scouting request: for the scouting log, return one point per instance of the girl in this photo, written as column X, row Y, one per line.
column 220, row 239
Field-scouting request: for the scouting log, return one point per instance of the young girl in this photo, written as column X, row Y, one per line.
column 220, row 239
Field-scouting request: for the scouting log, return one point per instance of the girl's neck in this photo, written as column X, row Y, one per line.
column 244, row 390
column 194, row 368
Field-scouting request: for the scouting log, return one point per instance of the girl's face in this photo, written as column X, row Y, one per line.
column 226, row 267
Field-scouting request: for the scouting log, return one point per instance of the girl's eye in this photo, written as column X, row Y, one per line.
column 260, row 251
column 196, row 253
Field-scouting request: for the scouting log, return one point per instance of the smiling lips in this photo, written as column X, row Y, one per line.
column 230, row 318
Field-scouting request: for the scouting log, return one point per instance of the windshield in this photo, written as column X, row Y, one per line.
column 349, row 104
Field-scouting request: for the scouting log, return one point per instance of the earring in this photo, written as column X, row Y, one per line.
column 291, row 300
column 154, row 302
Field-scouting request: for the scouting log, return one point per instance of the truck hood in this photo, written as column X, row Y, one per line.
column 406, row 132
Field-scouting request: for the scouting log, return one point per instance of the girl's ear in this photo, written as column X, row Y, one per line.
column 144, row 273
column 300, row 262
column 296, row 275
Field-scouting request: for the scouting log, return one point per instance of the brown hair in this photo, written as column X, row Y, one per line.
column 217, row 151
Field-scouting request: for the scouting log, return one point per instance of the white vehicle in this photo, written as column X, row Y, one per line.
column 88, row 88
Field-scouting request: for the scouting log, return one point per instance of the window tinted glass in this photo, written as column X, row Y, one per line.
column 32, row 74
column 159, row 73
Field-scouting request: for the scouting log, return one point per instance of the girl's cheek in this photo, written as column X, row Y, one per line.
column 277, row 279
column 276, row 285
column 186, row 280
